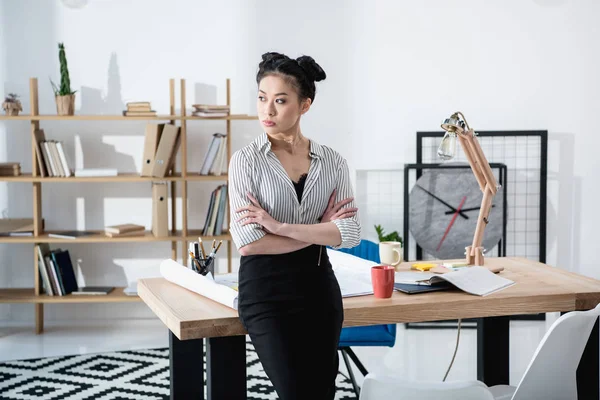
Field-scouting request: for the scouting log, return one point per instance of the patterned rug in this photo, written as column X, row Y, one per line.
column 139, row 375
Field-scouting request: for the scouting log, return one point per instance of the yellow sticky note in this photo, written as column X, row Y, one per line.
column 423, row 266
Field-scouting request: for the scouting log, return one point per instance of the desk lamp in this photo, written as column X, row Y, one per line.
column 457, row 127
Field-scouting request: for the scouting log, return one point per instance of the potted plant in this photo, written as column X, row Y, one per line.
column 12, row 104
column 390, row 237
column 65, row 97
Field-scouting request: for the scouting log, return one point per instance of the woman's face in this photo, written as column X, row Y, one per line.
column 278, row 106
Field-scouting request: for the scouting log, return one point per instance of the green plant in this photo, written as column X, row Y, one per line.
column 65, row 81
column 390, row 237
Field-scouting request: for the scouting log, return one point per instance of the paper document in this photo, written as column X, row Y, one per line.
column 207, row 287
column 353, row 273
column 479, row 281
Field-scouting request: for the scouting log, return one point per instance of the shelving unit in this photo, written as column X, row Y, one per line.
column 184, row 236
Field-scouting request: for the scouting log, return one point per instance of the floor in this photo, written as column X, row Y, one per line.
column 419, row 354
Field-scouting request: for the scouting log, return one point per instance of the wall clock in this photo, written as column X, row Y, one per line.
column 443, row 209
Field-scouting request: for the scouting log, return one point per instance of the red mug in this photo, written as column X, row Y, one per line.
column 382, row 277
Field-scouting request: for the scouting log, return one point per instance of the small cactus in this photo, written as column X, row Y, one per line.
column 65, row 81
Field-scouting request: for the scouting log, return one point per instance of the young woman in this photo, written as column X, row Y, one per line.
column 290, row 197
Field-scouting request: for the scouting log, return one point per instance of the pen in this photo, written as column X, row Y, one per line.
column 201, row 247
column 196, row 250
column 219, row 245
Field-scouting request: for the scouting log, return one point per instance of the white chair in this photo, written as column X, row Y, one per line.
column 551, row 374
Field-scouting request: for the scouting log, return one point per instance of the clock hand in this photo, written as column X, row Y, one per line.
column 467, row 209
column 451, row 222
column 443, row 202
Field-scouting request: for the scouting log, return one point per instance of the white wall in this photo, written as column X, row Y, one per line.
column 394, row 68
column 124, row 51
column 508, row 65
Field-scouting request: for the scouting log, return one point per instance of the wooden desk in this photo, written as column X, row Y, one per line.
column 539, row 288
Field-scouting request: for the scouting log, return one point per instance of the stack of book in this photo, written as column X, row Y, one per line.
column 124, row 230
column 139, row 109
column 51, row 156
column 207, row 110
column 10, row 169
column 216, row 212
column 215, row 160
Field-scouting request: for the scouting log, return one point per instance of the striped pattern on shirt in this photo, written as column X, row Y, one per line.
column 256, row 169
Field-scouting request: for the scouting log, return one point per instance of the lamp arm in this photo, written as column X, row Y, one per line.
column 488, row 185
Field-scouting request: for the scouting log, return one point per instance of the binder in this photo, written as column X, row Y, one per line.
column 160, row 216
column 165, row 153
column 151, row 140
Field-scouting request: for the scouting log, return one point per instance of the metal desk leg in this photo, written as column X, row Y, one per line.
column 493, row 350
column 186, row 360
column 226, row 368
column 588, row 371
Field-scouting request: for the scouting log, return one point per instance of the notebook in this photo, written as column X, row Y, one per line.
column 412, row 289
column 95, row 290
column 479, row 281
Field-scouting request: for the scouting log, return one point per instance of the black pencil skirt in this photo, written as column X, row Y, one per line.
column 292, row 309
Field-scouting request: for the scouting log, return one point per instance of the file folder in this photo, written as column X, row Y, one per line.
column 160, row 215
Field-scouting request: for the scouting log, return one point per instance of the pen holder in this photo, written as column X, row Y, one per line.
column 203, row 265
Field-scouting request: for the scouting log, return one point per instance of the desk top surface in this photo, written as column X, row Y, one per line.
column 539, row 288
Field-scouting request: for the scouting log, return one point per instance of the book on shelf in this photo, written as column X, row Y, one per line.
column 56, row 271
column 124, row 228
column 96, row 172
column 70, row 234
column 139, row 109
column 215, row 159
column 10, row 169
column 213, row 225
column 210, row 110
column 93, row 290
column 51, row 156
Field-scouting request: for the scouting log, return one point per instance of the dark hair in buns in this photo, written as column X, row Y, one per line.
column 302, row 73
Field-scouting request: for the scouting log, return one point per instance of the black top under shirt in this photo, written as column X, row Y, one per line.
column 300, row 186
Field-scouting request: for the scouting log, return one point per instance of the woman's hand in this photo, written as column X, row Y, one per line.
column 335, row 211
column 255, row 214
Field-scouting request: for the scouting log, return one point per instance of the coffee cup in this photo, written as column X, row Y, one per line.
column 390, row 253
column 382, row 278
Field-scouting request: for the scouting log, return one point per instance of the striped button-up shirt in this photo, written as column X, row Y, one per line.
column 256, row 169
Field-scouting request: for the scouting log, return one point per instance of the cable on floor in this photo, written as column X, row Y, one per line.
column 455, row 350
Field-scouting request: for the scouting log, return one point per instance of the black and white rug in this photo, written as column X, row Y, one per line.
column 139, row 375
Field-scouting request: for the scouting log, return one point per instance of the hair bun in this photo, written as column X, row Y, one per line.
column 312, row 69
column 272, row 56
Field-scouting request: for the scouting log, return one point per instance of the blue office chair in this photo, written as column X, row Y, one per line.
column 375, row 335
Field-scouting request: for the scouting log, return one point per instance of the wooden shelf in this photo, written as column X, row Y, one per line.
column 121, row 177
column 27, row 117
column 28, row 296
column 116, row 117
column 192, row 236
column 178, row 189
column 232, row 117
column 100, row 237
